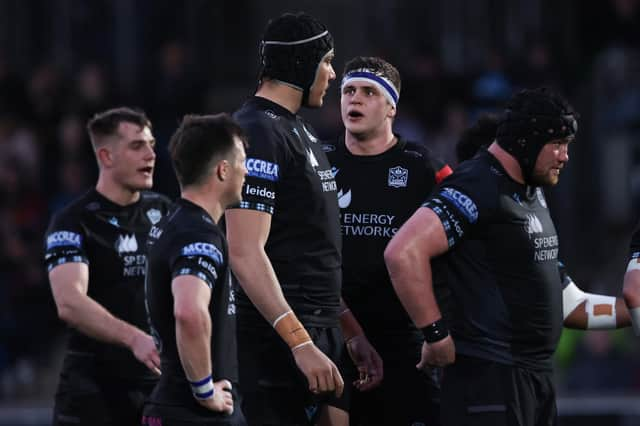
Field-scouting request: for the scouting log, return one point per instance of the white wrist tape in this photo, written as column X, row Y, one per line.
column 635, row 320
column 203, row 389
column 572, row 296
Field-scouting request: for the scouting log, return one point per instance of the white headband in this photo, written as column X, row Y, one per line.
column 365, row 75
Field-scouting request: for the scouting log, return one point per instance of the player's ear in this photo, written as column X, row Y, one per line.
column 222, row 169
column 392, row 111
column 105, row 157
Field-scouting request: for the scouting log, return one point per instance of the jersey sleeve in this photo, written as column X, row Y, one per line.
column 64, row 241
column 266, row 158
column 200, row 257
column 441, row 169
column 461, row 202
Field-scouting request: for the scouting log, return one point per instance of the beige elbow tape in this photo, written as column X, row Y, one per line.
column 601, row 312
column 291, row 330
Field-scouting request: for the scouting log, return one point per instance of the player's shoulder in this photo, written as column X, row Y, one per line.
column 257, row 115
column 480, row 178
column 74, row 210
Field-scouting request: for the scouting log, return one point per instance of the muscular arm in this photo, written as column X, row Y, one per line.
column 191, row 297
column 247, row 232
column 408, row 257
column 69, row 285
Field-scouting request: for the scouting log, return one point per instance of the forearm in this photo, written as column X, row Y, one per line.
column 258, row 280
column 90, row 318
column 193, row 337
column 593, row 311
column 349, row 323
column 631, row 288
column 411, row 279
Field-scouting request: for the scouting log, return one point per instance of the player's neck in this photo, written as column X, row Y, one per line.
column 508, row 161
column 115, row 192
column 282, row 94
column 370, row 145
column 205, row 199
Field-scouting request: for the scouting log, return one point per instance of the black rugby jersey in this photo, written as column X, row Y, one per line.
column 376, row 195
column 188, row 242
column 503, row 267
column 290, row 178
column 111, row 240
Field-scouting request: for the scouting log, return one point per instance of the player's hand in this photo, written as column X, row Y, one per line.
column 144, row 349
column 437, row 354
column 321, row 373
column 222, row 399
column 368, row 362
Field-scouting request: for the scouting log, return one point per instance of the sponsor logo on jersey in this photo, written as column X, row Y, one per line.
column 312, row 159
column 462, row 202
column 203, row 249
column 344, row 199
column 155, row 232
column 309, row 134
column 533, row 225
column 209, row 267
column 114, row 221
column 260, row 191
column 368, row 225
column 328, row 148
column 335, row 171
column 262, row 169
column 271, row 114
column 64, row 238
column 154, row 215
column 231, row 307
column 126, row 244
column 398, row 177
column 541, row 199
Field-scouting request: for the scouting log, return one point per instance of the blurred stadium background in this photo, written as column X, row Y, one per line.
column 63, row 60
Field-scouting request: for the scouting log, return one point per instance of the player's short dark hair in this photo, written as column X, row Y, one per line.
column 378, row 65
column 481, row 134
column 199, row 143
column 105, row 123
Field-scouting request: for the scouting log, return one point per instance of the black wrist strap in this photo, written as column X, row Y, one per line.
column 435, row 331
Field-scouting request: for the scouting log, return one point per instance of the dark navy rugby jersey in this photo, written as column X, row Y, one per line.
column 111, row 240
column 290, row 178
column 502, row 265
column 376, row 195
column 188, row 242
